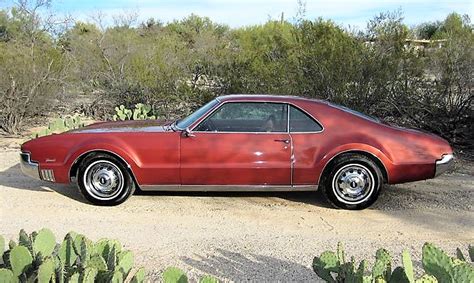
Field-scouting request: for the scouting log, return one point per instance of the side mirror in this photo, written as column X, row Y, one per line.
column 187, row 133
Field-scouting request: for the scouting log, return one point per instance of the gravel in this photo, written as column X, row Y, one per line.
column 245, row 236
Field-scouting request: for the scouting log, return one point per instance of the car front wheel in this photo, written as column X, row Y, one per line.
column 104, row 180
column 352, row 181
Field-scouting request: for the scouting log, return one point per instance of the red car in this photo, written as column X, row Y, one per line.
column 241, row 143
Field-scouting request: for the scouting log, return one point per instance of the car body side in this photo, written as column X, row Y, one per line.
column 153, row 154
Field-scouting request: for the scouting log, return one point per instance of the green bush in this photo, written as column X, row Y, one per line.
column 38, row 258
column 438, row 267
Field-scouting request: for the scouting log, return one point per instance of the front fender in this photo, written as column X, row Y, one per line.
column 113, row 146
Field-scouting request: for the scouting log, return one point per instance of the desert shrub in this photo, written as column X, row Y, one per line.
column 437, row 265
column 31, row 66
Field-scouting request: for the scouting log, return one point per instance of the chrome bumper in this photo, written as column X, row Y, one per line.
column 444, row 164
column 28, row 167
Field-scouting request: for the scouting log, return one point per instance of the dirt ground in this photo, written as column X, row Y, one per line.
column 245, row 236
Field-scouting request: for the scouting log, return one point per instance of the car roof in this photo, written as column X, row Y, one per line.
column 267, row 97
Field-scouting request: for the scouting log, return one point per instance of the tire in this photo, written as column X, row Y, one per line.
column 104, row 180
column 352, row 181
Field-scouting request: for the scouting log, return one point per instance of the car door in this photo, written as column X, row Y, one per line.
column 240, row 143
column 307, row 144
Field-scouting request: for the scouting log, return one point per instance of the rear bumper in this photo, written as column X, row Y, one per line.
column 28, row 167
column 445, row 163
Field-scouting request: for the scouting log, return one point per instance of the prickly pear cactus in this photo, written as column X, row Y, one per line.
column 471, row 253
column 83, row 248
column 44, row 242
column 7, row 276
column 208, row 279
column 436, row 263
column 20, row 260
column 174, row 275
column 383, row 265
column 89, row 275
column 340, row 252
column 426, row 279
column 66, row 254
column 139, row 276
column 75, row 277
column 122, row 113
column 408, row 266
column 325, row 264
column 2, row 246
column 38, row 258
column 25, row 240
column 112, row 258
column 140, row 112
column 57, row 125
column 125, row 261
column 117, row 277
column 46, row 271
column 97, row 262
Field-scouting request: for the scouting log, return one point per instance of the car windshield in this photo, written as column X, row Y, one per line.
column 188, row 121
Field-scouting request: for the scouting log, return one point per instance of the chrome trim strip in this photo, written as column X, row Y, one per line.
column 228, row 188
column 29, row 167
column 444, row 164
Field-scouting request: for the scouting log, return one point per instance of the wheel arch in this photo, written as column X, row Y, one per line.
column 367, row 154
column 77, row 161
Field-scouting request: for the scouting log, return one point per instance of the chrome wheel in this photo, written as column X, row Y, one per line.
column 353, row 184
column 103, row 180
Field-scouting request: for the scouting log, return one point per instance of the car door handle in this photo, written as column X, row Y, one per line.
column 283, row 141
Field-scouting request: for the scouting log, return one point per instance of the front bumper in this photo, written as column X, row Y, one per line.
column 445, row 163
column 28, row 167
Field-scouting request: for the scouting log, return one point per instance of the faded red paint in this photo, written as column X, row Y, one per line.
column 157, row 156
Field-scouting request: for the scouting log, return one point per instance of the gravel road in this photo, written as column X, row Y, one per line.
column 245, row 236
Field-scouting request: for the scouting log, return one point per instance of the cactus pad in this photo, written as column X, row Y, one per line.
column 20, row 260
column 6, row 276
column 46, row 271
column 125, row 261
column 44, row 242
column 408, row 266
column 436, row 263
column 174, row 275
column 139, row 276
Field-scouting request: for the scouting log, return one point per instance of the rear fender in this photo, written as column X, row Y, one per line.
column 355, row 147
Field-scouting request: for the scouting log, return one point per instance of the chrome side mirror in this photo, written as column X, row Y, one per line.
column 187, row 133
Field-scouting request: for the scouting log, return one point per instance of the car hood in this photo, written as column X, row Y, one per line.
column 125, row 126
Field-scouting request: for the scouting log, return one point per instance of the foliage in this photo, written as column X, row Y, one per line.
column 38, row 258
column 61, row 125
column 439, row 267
column 31, row 65
column 140, row 112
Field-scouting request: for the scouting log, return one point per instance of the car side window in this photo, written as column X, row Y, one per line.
column 302, row 122
column 247, row 117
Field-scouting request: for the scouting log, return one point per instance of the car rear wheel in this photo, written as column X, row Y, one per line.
column 352, row 181
column 104, row 180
